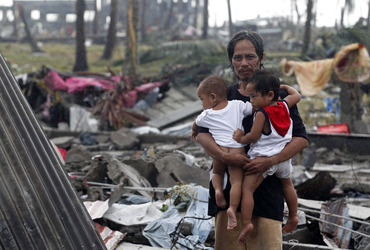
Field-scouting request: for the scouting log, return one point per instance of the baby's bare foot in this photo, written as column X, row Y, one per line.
column 291, row 224
column 231, row 219
column 220, row 199
column 245, row 231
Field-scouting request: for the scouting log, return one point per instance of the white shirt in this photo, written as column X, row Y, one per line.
column 222, row 123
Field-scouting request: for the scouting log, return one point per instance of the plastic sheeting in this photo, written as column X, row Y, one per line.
column 163, row 231
column 133, row 214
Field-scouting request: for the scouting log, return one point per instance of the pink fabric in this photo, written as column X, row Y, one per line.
column 147, row 87
column 129, row 99
column 54, row 82
column 80, row 83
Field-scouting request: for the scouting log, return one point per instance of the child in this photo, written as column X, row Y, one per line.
column 223, row 117
column 271, row 131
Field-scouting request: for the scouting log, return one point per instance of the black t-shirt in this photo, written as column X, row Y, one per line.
column 268, row 197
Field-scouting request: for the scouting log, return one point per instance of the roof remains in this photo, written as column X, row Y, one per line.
column 39, row 207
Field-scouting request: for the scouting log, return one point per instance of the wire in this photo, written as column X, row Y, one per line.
column 295, row 243
column 335, row 215
column 330, row 223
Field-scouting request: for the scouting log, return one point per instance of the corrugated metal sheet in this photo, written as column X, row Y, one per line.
column 39, row 208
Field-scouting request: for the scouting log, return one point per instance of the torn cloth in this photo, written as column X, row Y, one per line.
column 311, row 76
column 352, row 63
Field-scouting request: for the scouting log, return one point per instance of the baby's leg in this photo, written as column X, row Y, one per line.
column 219, row 169
column 250, row 183
column 236, row 179
column 291, row 200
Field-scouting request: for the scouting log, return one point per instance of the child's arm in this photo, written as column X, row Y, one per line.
column 255, row 134
column 293, row 96
column 194, row 131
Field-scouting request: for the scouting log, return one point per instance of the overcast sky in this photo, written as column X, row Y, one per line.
column 328, row 11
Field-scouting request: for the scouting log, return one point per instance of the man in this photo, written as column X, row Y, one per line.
column 246, row 55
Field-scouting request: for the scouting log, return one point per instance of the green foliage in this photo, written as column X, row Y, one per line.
column 348, row 36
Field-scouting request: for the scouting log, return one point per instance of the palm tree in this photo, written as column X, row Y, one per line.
column 81, row 58
column 111, row 36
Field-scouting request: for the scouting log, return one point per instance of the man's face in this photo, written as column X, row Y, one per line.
column 245, row 60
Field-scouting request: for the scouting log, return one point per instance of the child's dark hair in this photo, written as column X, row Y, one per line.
column 265, row 81
column 215, row 84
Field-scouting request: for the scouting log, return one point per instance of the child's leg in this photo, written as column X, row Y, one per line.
column 219, row 169
column 236, row 179
column 292, row 202
column 250, row 184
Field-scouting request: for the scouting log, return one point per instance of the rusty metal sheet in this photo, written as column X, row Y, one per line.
column 39, row 208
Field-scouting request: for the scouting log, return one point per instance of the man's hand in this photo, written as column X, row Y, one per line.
column 259, row 165
column 238, row 134
column 236, row 159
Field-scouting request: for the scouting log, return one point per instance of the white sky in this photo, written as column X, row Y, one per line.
column 328, row 11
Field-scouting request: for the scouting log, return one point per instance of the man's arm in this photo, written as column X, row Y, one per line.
column 261, row 164
column 213, row 150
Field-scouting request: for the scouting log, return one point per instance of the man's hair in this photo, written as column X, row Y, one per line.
column 215, row 84
column 265, row 81
column 249, row 35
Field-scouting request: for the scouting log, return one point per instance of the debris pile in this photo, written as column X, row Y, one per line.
column 147, row 186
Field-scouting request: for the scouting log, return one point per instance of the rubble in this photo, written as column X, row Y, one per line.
column 135, row 170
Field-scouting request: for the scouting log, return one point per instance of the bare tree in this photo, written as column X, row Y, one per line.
column 351, row 96
column 131, row 51
column 231, row 27
column 29, row 37
column 96, row 18
column 15, row 30
column 368, row 18
column 349, row 5
column 81, row 57
column 111, row 36
column 205, row 20
column 196, row 9
column 187, row 7
column 298, row 18
column 143, row 20
column 307, row 28
column 169, row 18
